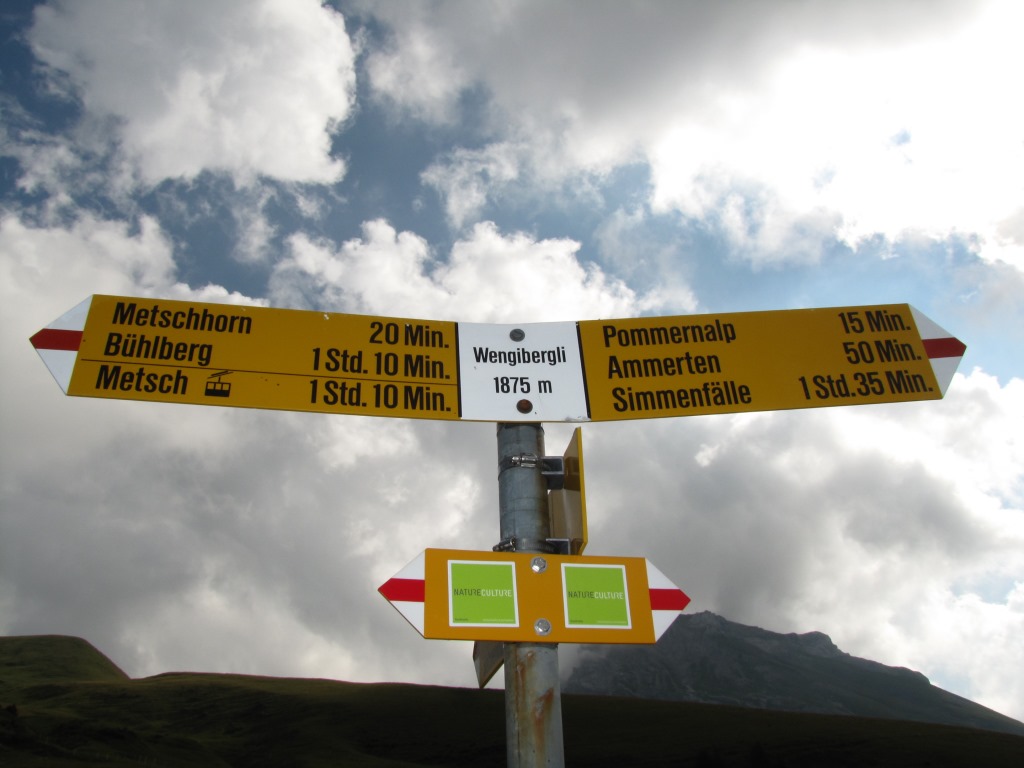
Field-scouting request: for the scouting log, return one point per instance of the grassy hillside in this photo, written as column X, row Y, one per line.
column 53, row 658
column 76, row 708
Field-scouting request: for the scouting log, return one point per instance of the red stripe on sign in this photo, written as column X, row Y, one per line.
column 948, row 347
column 404, row 590
column 668, row 600
column 57, row 338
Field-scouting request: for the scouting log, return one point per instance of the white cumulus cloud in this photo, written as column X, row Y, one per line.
column 247, row 88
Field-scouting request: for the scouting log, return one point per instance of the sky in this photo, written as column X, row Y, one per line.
column 513, row 162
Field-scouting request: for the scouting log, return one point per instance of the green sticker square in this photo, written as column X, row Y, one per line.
column 482, row 594
column 596, row 596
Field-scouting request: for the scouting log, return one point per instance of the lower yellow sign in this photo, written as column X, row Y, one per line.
column 523, row 597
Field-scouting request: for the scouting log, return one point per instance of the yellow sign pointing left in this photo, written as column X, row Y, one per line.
column 254, row 357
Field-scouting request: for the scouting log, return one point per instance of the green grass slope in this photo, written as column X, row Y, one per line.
column 44, row 658
column 96, row 716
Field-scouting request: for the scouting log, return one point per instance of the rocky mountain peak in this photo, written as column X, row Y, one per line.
column 709, row 659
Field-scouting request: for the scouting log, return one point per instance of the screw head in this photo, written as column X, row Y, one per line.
column 524, row 406
column 538, row 565
column 542, row 627
column 517, row 334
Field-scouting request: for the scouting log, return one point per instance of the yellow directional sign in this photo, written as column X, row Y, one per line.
column 256, row 357
column 596, row 370
column 759, row 361
column 518, row 597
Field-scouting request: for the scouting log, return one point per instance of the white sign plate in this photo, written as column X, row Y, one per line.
column 524, row 372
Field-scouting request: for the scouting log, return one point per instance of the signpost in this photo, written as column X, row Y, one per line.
column 536, row 590
column 518, row 597
column 593, row 370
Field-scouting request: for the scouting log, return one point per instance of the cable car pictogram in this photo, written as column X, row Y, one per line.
column 216, row 386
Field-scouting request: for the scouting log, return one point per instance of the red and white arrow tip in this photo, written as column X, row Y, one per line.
column 407, row 589
column 58, row 343
column 667, row 600
column 943, row 350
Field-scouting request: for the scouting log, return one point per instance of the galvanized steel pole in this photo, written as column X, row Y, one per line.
column 533, row 698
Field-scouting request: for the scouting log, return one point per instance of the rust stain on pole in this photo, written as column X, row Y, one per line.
column 533, row 706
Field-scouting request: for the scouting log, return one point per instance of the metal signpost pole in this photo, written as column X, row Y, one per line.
column 533, row 699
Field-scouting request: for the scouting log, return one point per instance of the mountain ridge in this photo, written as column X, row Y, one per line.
column 64, row 704
column 704, row 658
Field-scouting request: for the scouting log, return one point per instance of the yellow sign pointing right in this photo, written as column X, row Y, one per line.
column 759, row 361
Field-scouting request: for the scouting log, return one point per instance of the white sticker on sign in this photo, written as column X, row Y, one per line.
column 524, row 372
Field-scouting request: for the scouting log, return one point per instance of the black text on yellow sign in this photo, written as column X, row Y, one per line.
column 257, row 357
column 754, row 361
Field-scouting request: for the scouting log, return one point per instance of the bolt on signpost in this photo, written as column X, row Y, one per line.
column 535, row 590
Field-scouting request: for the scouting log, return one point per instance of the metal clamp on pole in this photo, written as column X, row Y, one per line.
column 519, row 460
column 552, row 468
column 520, row 544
